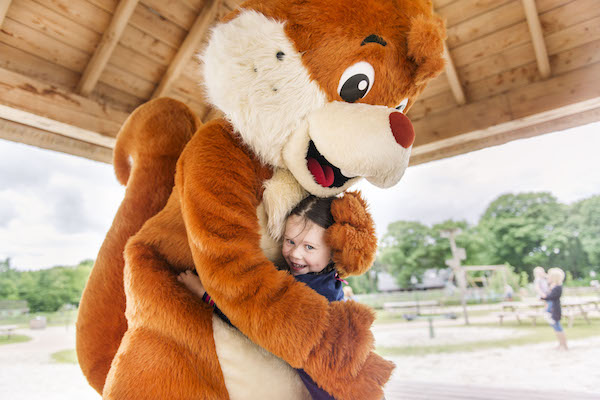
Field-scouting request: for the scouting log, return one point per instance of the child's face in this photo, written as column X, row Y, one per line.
column 304, row 247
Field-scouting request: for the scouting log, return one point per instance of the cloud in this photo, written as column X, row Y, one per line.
column 563, row 163
column 7, row 212
column 55, row 208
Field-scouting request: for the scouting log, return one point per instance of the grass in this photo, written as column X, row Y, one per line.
column 391, row 317
column 13, row 339
column 534, row 334
column 57, row 318
column 65, row 357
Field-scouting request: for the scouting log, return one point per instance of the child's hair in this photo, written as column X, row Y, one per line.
column 316, row 210
column 556, row 276
column 539, row 272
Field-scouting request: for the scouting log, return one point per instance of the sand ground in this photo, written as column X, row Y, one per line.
column 27, row 371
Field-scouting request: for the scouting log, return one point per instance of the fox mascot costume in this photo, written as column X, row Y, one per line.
column 314, row 94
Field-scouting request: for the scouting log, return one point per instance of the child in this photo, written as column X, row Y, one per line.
column 540, row 284
column 556, row 276
column 307, row 257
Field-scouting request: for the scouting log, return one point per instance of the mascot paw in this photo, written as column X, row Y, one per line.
column 352, row 236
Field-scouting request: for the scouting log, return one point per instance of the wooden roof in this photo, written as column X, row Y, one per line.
column 72, row 70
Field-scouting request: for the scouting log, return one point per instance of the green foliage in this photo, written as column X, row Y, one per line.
column 44, row 290
column 524, row 280
column 409, row 248
column 523, row 230
column 499, row 279
column 517, row 226
column 584, row 223
column 568, row 279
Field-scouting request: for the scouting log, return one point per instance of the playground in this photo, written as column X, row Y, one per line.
column 484, row 360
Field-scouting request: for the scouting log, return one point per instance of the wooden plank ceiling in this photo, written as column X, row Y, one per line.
column 71, row 71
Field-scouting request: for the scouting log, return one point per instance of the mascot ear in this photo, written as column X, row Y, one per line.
column 426, row 47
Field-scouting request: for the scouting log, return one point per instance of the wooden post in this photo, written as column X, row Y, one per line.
column 4, row 4
column 537, row 36
column 452, row 75
column 201, row 26
column 458, row 254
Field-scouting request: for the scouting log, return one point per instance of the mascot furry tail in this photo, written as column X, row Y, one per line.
column 145, row 158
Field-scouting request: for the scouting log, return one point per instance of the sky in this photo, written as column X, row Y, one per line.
column 55, row 209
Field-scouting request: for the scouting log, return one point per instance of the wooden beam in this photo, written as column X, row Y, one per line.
column 34, row 136
column 422, row 155
column 4, row 4
column 49, row 125
column 105, row 48
column 571, row 88
column 537, row 36
column 200, row 28
column 455, row 86
column 30, row 95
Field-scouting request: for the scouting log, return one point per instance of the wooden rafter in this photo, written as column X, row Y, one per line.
column 105, row 48
column 39, row 98
column 503, row 134
column 455, row 86
column 537, row 36
column 34, row 136
column 190, row 44
column 4, row 4
column 52, row 126
column 492, row 121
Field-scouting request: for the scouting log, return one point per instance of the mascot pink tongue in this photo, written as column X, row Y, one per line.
column 323, row 175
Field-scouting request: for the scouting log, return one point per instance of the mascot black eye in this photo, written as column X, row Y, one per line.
column 356, row 82
column 402, row 106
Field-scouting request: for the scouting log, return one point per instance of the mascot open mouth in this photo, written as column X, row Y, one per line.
column 325, row 173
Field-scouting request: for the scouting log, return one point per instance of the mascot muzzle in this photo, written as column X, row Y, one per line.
column 343, row 142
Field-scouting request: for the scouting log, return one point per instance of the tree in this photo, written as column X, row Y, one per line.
column 8, row 278
column 584, row 223
column 410, row 248
column 45, row 290
column 517, row 226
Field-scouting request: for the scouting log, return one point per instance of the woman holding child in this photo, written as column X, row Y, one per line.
column 549, row 288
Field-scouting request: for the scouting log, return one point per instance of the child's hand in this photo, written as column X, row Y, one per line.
column 192, row 282
column 352, row 236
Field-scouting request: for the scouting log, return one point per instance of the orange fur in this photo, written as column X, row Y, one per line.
column 354, row 230
column 153, row 136
column 317, row 29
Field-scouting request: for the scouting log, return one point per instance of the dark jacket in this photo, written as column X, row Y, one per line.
column 554, row 295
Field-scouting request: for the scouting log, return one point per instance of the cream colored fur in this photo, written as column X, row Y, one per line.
column 244, row 78
column 360, row 130
column 264, row 377
column 282, row 193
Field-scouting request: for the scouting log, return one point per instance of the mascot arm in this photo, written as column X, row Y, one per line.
column 219, row 184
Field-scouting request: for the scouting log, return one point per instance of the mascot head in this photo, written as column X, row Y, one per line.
column 321, row 87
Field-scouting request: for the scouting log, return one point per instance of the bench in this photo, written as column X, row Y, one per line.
column 7, row 330
column 503, row 314
column 410, row 305
column 570, row 311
